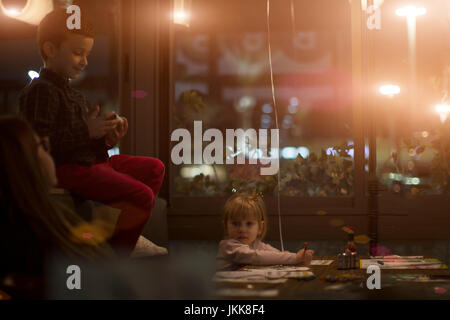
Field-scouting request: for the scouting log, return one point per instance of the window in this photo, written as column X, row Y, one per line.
column 221, row 77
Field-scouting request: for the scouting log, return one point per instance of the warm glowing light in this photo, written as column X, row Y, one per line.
column 442, row 110
column 410, row 11
column 181, row 12
column 245, row 103
column 389, row 90
column 190, row 172
column 180, row 17
column 12, row 12
column 33, row 74
column 376, row 4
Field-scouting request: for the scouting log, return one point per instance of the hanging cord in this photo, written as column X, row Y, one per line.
column 276, row 121
column 293, row 30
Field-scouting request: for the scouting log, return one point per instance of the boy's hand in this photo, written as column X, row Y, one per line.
column 124, row 127
column 99, row 126
column 113, row 137
column 305, row 257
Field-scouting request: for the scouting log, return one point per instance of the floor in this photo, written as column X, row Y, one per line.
column 187, row 271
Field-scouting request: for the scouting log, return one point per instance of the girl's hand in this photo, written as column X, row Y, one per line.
column 305, row 257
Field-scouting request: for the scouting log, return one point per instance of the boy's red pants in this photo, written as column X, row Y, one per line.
column 126, row 182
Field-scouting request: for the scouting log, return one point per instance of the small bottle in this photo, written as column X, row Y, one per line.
column 351, row 246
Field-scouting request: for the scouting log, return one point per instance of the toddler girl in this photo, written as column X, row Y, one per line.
column 245, row 225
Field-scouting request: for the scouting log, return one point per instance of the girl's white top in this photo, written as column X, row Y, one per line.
column 233, row 254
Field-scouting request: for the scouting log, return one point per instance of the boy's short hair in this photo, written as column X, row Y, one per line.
column 246, row 205
column 53, row 28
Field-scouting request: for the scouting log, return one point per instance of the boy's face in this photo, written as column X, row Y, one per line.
column 70, row 58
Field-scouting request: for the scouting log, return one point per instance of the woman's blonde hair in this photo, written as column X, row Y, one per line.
column 244, row 206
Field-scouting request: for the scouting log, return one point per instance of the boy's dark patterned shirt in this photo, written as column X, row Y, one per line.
column 56, row 110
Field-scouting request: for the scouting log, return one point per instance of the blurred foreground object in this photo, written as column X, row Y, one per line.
column 29, row 11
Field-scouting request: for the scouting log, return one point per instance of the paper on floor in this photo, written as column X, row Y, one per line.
column 278, row 268
column 248, row 293
column 321, row 262
column 252, row 280
column 402, row 263
column 262, row 274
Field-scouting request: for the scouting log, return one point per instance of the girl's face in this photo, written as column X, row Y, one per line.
column 46, row 161
column 245, row 231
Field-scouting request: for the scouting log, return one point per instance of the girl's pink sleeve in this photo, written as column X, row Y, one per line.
column 242, row 254
column 265, row 246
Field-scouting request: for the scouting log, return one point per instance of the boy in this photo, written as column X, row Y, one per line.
column 80, row 137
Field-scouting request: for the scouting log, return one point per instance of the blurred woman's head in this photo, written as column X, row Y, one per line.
column 27, row 172
column 24, row 156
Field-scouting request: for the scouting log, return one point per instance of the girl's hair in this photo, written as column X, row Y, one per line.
column 244, row 206
column 25, row 198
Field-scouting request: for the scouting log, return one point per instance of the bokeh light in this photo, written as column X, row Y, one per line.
column 362, row 239
column 336, row 223
column 33, row 74
column 139, row 94
column 439, row 290
column 410, row 11
column 389, row 90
